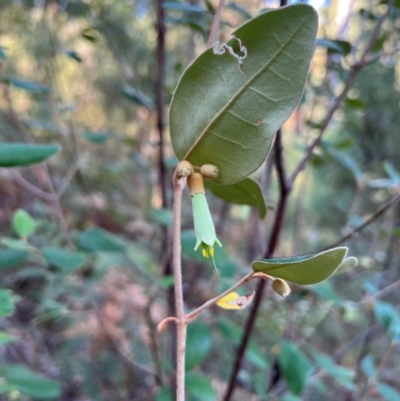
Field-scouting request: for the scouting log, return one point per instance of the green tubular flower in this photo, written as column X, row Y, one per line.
column 204, row 226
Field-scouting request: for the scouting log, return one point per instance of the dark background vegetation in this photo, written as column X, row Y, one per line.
column 86, row 75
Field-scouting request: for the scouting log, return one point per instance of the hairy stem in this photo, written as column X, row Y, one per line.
column 179, row 185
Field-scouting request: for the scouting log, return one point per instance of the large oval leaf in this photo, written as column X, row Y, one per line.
column 24, row 154
column 227, row 114
column 308, row 269
column 245, row 192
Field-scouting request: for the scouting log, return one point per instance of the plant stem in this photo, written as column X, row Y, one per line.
column 215, row 23
column 192, row 315
column 181, row 325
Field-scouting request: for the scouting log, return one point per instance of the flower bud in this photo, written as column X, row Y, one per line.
column 184, row 169
column 281, row 287
column 209, row 171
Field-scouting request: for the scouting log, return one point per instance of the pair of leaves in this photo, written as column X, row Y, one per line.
column 24, row 154
column 306, row 269
column 228, row 106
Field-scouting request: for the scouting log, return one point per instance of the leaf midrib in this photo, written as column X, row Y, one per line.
column 240, row 91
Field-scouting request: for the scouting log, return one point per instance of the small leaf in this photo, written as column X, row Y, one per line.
column 137, row 97
column 235, row 301
column 294, row 365
column 368, row 366
column 245, row 192
column 348, row 264
column 343, row 375
column 12, row 257
column 7, row 306
column 335, row 46
column 161, row 216
column 166, row 282
column 23, row 224
column 30, row 86
column 6, row 338
column 63, row 259
column 97, row 239
column 30, row 383
column 389, row 393
column 164, row 394
column 99, row 138
column 307, row 269
column 74, row 55
column 392, row 172
column 388, row 317
column 23, row 154
column 200, row 387
column 198, row 344
column 174, row 5
column 226, row 113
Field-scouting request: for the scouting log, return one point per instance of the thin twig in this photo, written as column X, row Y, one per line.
column 215, row 23
column 354, row 71
column 30, row 187
column 192, row 315
column 367, row 222
column 68, row 179
column 285, row 189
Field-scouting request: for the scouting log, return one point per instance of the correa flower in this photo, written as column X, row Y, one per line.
column 206, row 237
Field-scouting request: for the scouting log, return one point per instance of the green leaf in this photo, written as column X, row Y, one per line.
column 392, row 172
column 348, row 264
column 30, row 383
column 166, row 282
column 30, row 86
column 343, row 375
column 389, row 393
column 388, row 317
column 161, row 216
column 11, row 257
column 368, row 366
column 74, row 55
column 164, row 394
column 198, row 344
column 227, row 114
column 200, row 387
column 63, row 259
column 174, row 5
column 6, row 338
column 307, row 269
column 335, row 46
column 97, row 239
column 24, row 154
column 7, row 306
column 23, row 224
column 99, row 138
column 246, row 192
column 294, row 365
column 137, row 97
column 233, row 333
